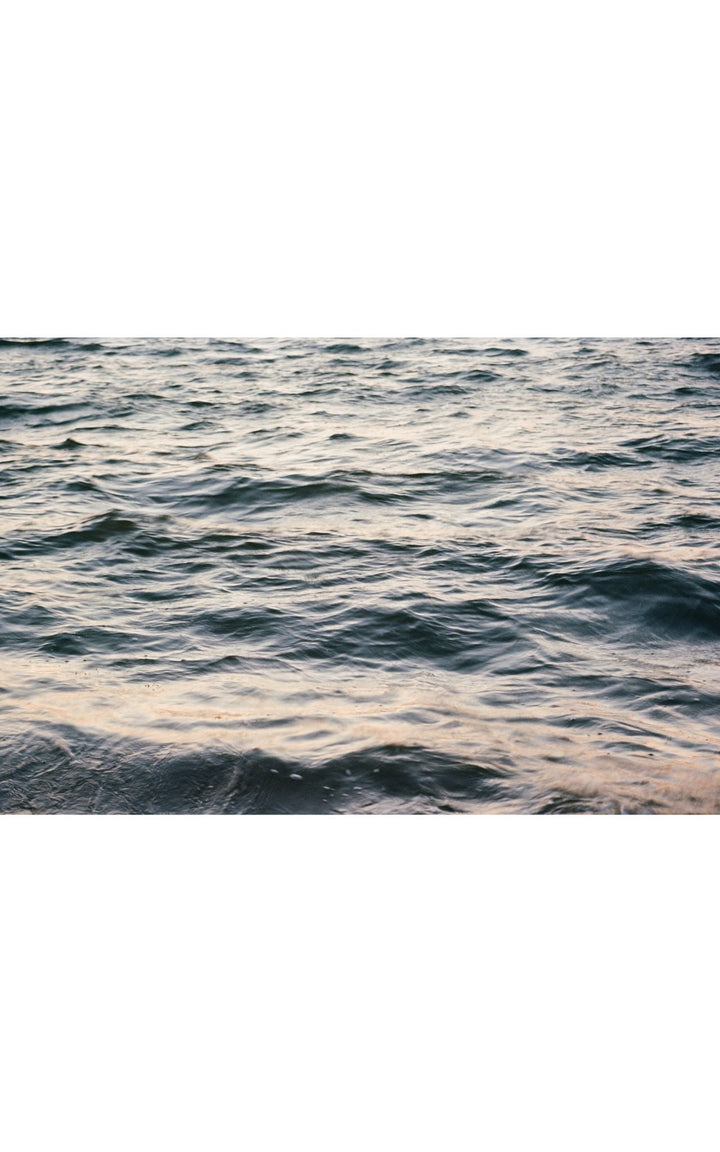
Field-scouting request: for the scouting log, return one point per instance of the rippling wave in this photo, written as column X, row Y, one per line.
column 359, row 575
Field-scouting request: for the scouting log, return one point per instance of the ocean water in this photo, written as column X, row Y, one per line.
column 380, row 576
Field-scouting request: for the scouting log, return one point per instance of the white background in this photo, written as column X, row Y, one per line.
column 336, row 169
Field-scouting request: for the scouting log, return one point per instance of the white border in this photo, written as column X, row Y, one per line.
column 322, row 983
column 397, row 169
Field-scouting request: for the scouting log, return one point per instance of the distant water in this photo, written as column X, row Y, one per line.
column 360, row 575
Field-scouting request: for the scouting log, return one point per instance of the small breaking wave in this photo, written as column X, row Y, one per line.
column 72, row 772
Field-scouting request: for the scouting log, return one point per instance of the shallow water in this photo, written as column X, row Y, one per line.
column 360, row 575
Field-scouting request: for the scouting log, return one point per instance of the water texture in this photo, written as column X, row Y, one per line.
column 382, row 576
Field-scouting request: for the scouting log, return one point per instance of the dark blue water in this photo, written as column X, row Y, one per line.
column 360, row 575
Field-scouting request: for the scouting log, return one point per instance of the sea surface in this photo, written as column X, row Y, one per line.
column 359, row 575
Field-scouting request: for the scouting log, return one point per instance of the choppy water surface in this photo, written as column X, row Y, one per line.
column 359, row 575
